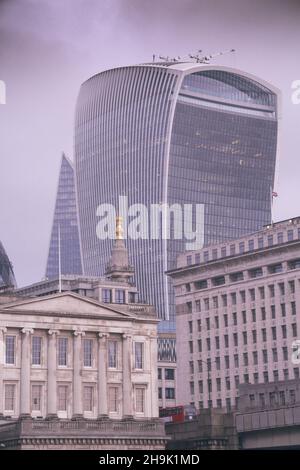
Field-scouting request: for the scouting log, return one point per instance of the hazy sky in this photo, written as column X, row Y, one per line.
column 49, row 47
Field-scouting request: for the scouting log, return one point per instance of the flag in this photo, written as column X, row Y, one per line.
column 274, row 194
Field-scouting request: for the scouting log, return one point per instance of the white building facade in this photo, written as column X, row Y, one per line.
column 68, row 356
column 237, row 314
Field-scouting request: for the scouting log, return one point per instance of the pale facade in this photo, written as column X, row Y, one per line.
column 237, row 307
column 67, row 356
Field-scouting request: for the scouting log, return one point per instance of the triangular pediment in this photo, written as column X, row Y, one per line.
column 63, row 303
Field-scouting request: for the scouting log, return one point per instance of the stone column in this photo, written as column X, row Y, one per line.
column 154, row 380
column 52, row 365
column 77, row 374
column 102, row 375
column 25, row 409
column 127, row 379
column 3, row 330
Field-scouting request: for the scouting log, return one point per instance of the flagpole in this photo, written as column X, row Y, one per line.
column 59, row 261
column 271, row 200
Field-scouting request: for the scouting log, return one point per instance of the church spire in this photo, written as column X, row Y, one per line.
column 118, row 267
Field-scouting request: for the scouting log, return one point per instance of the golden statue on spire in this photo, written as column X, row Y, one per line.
column 119, row 228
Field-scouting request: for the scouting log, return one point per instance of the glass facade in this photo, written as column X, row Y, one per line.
column 176, row 135
column 66, row 221
column 7, row 278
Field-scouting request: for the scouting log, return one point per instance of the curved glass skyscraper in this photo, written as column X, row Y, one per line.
column 174, row 133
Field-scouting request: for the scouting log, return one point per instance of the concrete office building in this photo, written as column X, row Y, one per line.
column 174, row 133
column 237, row 310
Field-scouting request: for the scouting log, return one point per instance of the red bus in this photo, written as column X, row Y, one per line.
column 178, row 414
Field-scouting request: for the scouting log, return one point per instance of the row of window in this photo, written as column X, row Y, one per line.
column 229, row 383
column 63, row 398
column 242, row 247
column 89, row 355
column 244, row 318
column 169, row 393
column 169, row 374
column 251, row 295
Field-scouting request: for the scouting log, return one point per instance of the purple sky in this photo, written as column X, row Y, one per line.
column 49, row 47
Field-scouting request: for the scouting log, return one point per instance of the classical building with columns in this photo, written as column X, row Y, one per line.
column 78, row 369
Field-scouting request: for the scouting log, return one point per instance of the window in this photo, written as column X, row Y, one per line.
column 10, row 349
column 224, row 300
column 219, row 403
column 208, row 364
column 140, row 399
column 218, row 363
column 262, row 400
column 255, row 377
column 113, row 394
column 283, row 331
column 192, row 388
column 282, row 398
column 245, row 339
column 280, row 237
column 223, row 251
column 207, row 323
column 120, row 296
column 241, row 247
column 199, row 346
column 290, row 235
column 272, row 398
column 10, row 394
column 189, row 260
column 273, row 312
column 218, row 281
column 296, row 373
column 190, row 327
column 36, row 396
column 276, row 375
column 159, row 374
column 232, row 250
column 226, row 320
column 256, row 272
column 227, row 382
column 218, row 383
column 275, row 354
column 251, row 245
column 293, row 308
column 208, row 344
column 244, row 315
column 274, row 333
column 112, row 354
column 292, row 397
column 214, row 254
column 235, row 339
column 215, row 302
column 265, row 356
column 170, row 393
column 243, row 296
column 234, row 316
column 197, row 258
column 281, row 288
column 294, row 329
column 200, row 366
column 217, row 322
column 253, row 313
column 236, row 360
column 285, row 374
column 106, row 296
column 270, row 240
column 228, row 405
column 255, row 358
column 139, row 355
column 264, row 334
column 271, row 290
column 262, row 292
column 200, row 384
column 88, row 398
column 254, row 336
column 62, row 351
column 201, row 405
column 198, row 305
column 236, row 381
column 226, row 341
column 191, row 367
column 189, row 307
column 233, row 298
column 252, row 400
column 199, row 325
column 170, row 374
column 246, row 378
column 227, row 364
column 200, row 284
column 260, row 242
column 206, row 304
column 246, row 360
column 263, row 313
column 191, row 347
column 62, row 392
column 206, row 256
column 252, row 294
column 266, row 377
column 292, row 287
column 188, row 287
column 285, row 353
column 217, row 340
column 160, row 393
column 87, row 352
column 283, row 311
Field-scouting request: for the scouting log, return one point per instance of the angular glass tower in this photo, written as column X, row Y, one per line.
column 7, row 277
column 65, row 222
column 174, row 133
